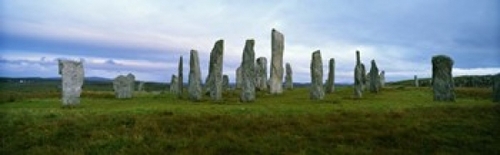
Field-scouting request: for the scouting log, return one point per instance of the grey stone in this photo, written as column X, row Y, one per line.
column 124, row 86
column 374, row 78
column 330, row 81
column 288, row 77
column 225, row 83
column 174, row 86
column 214, row 79
column 261, row 74
column 364, row 77
column 141, row 86
column 442, row 79
column 415, row 81
column 194, row 81
column 238, row 78
column 248, row 70
column 316, row 90
column 496, row 87
column 382, row 79
column 180, row 79
column 72, row 80
column 276, row 78
column 358, row 77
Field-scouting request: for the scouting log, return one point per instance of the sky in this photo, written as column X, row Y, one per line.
column 147, row 37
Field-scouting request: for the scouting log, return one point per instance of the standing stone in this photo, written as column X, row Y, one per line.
column 330, row 82
column 238, row 78
column 180, row 79
column 288, row 77
column 174, row 86
column 316, row 91
column 496, row 87
column 277, row 46
column 374, row 78
column 382, row 79
column 194, row 81
column 442, row 79
column 358, row 77
column 141, row 86
column 72, row 80
column 225, row 83
column 415, row 80
column 124, row 86
column 364, row 81
column 261, row 74
column 248, row 70
column 214, row 79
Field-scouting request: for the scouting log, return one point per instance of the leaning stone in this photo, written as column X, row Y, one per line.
column 330, row 82
column 496, row 87
column 374, row 78
column 72, row 80
column 194, row 81
column 316, row 91
column 442, row 78
column 261, row 74
column 140, row 87
column 174, row 86
column 358, row 78
column 124, row 86
column 248, row 70
column 276, row 78
column 288, row 77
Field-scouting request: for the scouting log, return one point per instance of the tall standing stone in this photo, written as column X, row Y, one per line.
column 238, row 78
column 124, row 86
column 415, row 81
column 174, row 86
column 442, row 79
column 225, row 82
column 276, row 78
column 214, row 80
column 358, row 77
column 261, row 74
column 316, row 90
column 330, row 82
column 382, row 79
column 194, row 81
column 288, row 77
column 180, row 79
column 72, row 80
column 374, row 78
column 248, row 70
column 496, row 87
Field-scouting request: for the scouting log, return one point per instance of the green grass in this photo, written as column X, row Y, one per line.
column 401, row 120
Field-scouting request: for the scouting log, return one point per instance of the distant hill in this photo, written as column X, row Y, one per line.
column 460, row 81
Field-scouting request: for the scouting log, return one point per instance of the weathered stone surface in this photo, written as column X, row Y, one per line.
column 225, row 83
column 288, row 77
column 316, row 90
column 374, row 78
column 358, row 77
column 174, row 86
column 124, row 86
column 382, row 79
column 261, row 74
column 194, row 81
column 248, row 70
column 180, row 79
column 214, row 79
column 72, row 80
column 415, row 81
column 442, row 79
column 238, row 78
column 496, row 88
column 276, row 78
column 364, row 77
column 330, row 81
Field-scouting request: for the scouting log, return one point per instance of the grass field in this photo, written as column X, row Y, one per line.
column 399, row 120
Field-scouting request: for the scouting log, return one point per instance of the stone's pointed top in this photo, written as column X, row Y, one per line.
column 220, row 41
